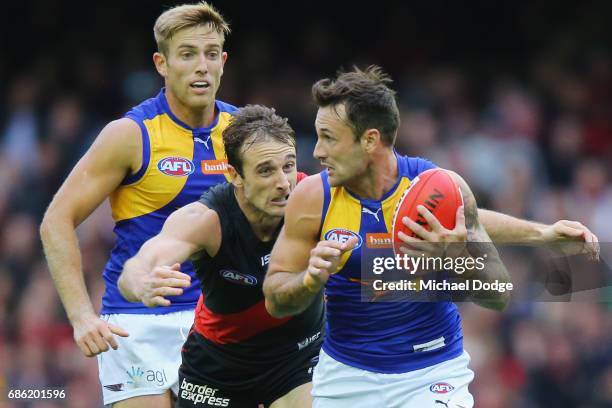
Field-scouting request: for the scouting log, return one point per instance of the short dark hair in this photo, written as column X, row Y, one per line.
column 250, row 125
column 367, row 98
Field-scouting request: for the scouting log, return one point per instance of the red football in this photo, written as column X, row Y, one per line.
column 438, row 192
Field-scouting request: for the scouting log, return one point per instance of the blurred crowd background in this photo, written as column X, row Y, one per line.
column 515, row 97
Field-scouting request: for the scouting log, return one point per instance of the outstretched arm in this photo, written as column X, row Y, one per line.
column 574, row 237
column 154, row 272
column 299, row 265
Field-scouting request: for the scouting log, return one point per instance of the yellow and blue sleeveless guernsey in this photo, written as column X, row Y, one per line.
column 382, row 337
column 178, row 164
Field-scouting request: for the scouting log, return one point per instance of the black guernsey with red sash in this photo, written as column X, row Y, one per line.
column 234, row 341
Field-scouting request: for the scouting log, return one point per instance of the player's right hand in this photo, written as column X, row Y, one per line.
column 324, row 260
column 93, row 335
column 572, row 238
column 161, row 282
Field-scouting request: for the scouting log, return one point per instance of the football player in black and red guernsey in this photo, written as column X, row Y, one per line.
column 236, row 355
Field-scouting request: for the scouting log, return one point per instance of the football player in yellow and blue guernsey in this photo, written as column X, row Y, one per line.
column 159, row 157
column 388, row 353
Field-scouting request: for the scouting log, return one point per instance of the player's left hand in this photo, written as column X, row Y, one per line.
column 440, row 241
column 572, row 238
column 323, row 261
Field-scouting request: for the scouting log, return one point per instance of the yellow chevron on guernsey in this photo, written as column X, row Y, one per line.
column 344, row 213
column 155, row 189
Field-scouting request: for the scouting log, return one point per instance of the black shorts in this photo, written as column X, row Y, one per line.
column 212, row 379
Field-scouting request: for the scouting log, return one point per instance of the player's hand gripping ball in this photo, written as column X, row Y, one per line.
column 438, row 192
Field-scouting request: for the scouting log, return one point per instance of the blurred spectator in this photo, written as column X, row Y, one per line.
column 565, row 146
column 20, row 137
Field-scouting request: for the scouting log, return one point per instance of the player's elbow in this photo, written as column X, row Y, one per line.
column 124, row 283
column 499, row 303
column 273, row 308
column 124, row 288
column 271, row 304
column 503, row 301
column 44, row 229
column 278, row 310
column 53, row 221
column 47, row 225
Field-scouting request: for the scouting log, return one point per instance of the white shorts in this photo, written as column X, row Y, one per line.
column 444, row 385
column 146, row 362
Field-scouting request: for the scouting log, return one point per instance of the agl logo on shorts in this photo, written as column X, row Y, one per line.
column 441, row 388
column 175, row 166
column 342, row 235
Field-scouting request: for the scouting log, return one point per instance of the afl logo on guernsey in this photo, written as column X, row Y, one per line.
column 175, row 166
column 441, row 388
column 342, row 235
column 237, row 277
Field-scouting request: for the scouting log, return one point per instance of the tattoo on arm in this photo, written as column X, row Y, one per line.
column 479, row 244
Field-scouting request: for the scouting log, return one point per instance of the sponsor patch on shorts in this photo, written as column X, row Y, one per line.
column 201, row 394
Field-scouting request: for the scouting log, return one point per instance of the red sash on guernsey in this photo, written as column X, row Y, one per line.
column 234, row 327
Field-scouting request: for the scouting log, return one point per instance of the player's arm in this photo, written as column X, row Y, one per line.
column 116, row 152
column 283, row 286
column 300, row 264
column 154, row 272
column 504, row 228
column 480, row 245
